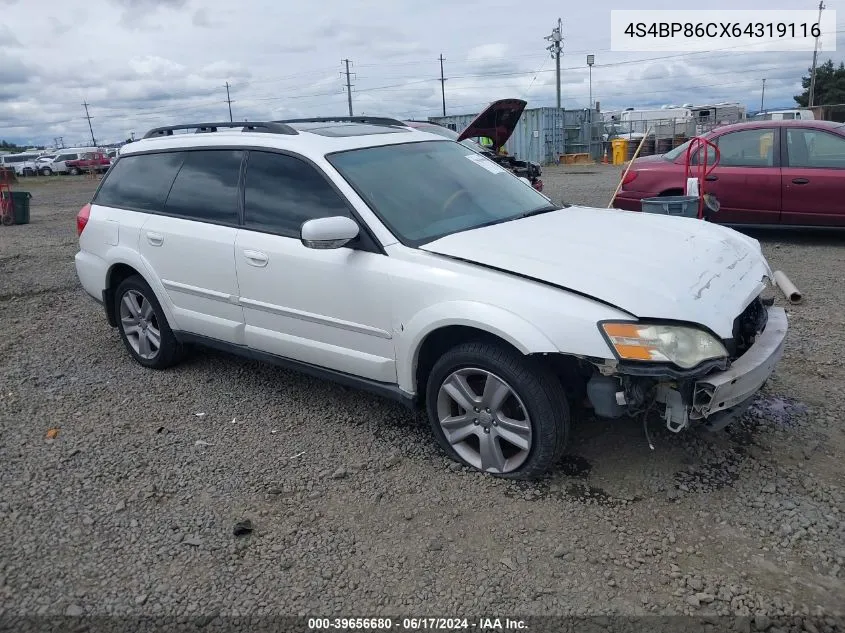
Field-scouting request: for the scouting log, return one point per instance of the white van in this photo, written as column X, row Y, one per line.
column 58, row 165
column 23, row 163
column 785, row 115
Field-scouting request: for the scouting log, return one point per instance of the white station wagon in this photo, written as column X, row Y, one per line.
column 363, row 251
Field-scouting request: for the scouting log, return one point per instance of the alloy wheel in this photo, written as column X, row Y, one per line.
column 484, row 420
column 140, row 324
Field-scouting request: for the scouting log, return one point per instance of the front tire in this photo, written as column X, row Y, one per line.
column 143, row 327
column 74, row 171
column 497, row 411
column 46, row 172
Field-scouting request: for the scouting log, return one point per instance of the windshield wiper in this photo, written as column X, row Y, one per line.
column 538, row 211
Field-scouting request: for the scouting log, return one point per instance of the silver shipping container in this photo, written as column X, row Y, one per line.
column 544, row 134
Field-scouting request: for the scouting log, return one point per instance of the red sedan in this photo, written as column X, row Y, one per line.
column 789, row 173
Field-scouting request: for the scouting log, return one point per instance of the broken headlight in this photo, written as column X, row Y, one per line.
column 684, row 346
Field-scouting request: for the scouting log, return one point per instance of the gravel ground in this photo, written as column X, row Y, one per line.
column 130, row 509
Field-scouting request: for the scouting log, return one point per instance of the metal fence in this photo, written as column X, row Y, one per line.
column 551, row 135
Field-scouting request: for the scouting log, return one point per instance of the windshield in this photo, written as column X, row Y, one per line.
column 423, row 191
column 674, row 153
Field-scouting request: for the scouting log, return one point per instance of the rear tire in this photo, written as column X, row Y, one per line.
column 514, row 421
column 74, row 171
column 142, row 325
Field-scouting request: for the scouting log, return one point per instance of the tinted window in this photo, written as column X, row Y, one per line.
column 140, row 182
column 814, row 148
column 282, row 192
column 206, row 187
column 747, row 148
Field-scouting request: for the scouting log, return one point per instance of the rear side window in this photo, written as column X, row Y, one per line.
column 140, row 182
column 63, row 157
column 282, row 192
column 206, row 187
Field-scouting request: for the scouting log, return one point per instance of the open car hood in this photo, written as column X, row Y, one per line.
column 497, row 122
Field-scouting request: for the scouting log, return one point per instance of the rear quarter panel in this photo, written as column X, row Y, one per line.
column 113, row 236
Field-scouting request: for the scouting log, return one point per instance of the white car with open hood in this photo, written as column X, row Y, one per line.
column 364, row 251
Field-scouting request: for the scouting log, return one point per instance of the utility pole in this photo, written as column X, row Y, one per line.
column 88, row 116
column 763, row 94
column 811, row 99
column 229, row 101
column 554, row 49
column 442, row 85
column 348, row 87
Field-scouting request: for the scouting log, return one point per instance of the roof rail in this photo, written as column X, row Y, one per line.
column 272, row 127
column 374, row 120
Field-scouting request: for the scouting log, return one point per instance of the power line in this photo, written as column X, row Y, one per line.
column 88, row 116
column 348, row 87
column 812, row 92
column 442, row 85
column 229, row 101
column 554, row 49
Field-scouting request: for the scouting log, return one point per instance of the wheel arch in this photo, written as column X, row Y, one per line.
column 451, row 323
column 122, row 269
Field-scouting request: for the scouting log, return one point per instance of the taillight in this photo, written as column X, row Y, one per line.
column 82, row 219
column 629, row 178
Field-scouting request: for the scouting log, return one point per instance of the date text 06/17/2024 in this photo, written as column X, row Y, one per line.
column 416, row 624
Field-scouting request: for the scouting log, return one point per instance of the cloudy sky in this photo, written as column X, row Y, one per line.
column 142, row 63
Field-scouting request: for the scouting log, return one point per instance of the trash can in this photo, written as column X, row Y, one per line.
column 620, row 149
column 685, row 206
column 20, row 201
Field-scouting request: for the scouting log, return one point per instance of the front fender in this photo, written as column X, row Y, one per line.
column 492, row 319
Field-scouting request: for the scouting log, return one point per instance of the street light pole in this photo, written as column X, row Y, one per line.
column 591, row 59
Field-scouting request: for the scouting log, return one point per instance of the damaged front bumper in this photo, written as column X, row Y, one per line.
column 712, row 400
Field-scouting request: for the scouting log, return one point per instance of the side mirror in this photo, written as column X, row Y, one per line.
column 333, row 232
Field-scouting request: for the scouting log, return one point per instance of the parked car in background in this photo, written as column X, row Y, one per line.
column 497, row 123
column 800, row 114
column 59, row 163
column 786, row 173
column 42, row 164
column 96, row 161
column 23, row 163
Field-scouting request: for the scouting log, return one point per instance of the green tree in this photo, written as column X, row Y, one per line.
column 830, row 85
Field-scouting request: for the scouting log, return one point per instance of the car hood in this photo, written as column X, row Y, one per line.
column 651, row 266
column 497, row 122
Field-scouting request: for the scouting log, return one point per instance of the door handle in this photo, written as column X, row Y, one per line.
column 712, row 178
column 256, row 258
column 156, row 239
column 800, row 181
